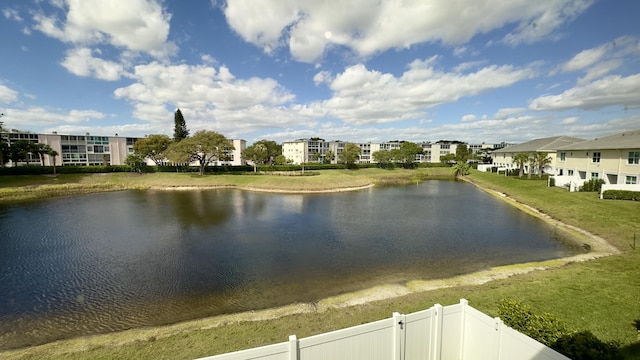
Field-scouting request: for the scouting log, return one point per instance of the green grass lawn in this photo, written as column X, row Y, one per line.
column 602, row 296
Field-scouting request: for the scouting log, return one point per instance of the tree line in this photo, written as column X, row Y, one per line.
column 202, row 147
column 206, row 146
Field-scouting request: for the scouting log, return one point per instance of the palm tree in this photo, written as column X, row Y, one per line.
column 329, row 156
column 541, row 161
column 53, row 155
column 42, row 150
column 519, row 160
column 461, row 168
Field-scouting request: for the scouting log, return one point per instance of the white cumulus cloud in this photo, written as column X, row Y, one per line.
column 371, row 26
column 210, row 97
column 136, row 25
column 613, row 90
column 7, row 95
column 81, row 62
column 362, row 96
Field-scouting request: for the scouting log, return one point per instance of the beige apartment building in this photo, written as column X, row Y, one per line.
column 503, row 158
column 614, row 159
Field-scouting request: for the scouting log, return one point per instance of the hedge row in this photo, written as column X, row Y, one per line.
column 621, row 195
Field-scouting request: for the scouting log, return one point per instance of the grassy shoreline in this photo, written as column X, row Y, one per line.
column 599, row 295
column 31, row 187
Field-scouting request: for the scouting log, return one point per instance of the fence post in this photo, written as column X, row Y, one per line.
column 436, row 332
column 293, row 348
column 398, row 326
column 497, row 338
column 463, row 325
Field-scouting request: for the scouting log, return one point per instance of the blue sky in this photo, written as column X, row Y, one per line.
column 358, row 70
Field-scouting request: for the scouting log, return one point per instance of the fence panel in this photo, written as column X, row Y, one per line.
column 278, row 351
column 419, row 340
column 369, row 341
column 515, row 345
column 481, row 335
column 451, row 332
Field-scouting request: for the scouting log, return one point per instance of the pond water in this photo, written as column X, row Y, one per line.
column 106, row 262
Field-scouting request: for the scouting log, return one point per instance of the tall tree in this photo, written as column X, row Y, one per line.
column 406, row 154
column 53, row 154
column 520, row 159
column 180, row 131
column 41, row 150
column 542, row 160
column 21, row 150
column 273, row 150
column 257, row 154
column 153, row 147
column 383, row 158
column 350, row 154
column 329, row 156
column 5, row 153
column 448, row 159
column 281, row 160
column 463, row 153
column 204, row 146
column 135, row 162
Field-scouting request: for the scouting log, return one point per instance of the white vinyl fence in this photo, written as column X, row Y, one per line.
column 451, row 332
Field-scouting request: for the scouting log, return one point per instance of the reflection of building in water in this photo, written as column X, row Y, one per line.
column 293, row 203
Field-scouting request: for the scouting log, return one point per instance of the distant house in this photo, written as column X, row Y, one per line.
column 614, row 159
column 503, row 158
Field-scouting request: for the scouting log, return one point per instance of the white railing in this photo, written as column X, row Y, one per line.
column 451, row 332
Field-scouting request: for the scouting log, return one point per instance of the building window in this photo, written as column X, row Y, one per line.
column 596, row 157
column 595, row 176
column 563, row 156
column 632, row 180
column 570, row 172
column 634, row 157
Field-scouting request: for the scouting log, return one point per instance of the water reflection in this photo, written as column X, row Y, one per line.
column 108, row 262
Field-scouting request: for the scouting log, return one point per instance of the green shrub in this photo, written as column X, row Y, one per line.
column 584, row 345
column 621, row 195
column 593, row 185
column 544, row 328
column 552, row 332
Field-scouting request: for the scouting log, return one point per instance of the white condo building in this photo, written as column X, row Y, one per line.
column 85, row 150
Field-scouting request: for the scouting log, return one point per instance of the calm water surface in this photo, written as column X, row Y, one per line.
column 107, row 262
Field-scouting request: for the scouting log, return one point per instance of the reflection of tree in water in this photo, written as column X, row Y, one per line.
column 200, row 208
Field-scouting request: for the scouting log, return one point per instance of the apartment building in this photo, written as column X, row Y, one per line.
column 614, row 159
column 87, row 150
column 315, row 150
column 503, row 158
